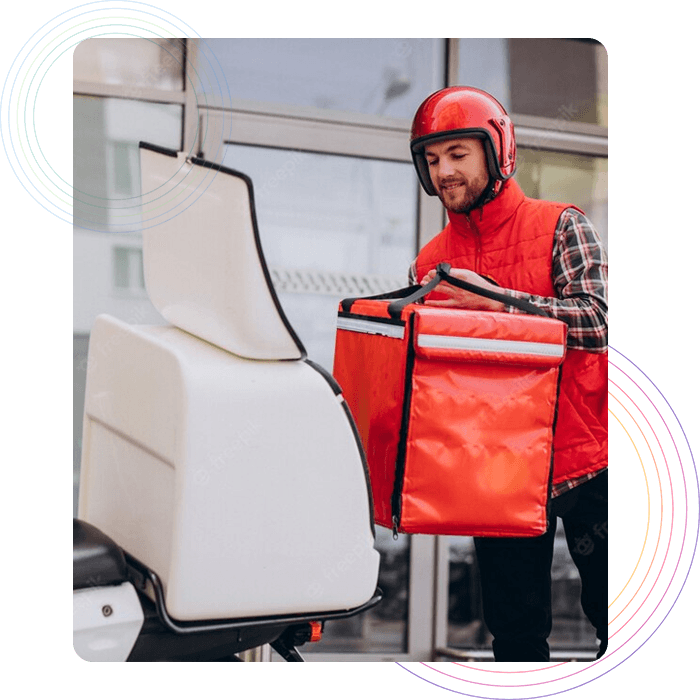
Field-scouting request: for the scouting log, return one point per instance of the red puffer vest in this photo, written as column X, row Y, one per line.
column 510, row 240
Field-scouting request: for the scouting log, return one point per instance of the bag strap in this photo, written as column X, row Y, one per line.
column 443, row 270
column 410, row 295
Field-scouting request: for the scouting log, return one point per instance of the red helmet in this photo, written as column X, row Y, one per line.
column 459, row 112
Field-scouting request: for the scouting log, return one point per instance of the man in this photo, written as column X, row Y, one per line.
column 464, row 150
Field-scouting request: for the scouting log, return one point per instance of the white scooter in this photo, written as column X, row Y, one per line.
column 223, row 485
column 119, row 614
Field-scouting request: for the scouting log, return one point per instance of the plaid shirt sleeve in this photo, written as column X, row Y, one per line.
column 412, row 274
column 580, row 277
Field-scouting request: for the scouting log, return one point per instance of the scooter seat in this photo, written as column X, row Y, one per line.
column 97, row 560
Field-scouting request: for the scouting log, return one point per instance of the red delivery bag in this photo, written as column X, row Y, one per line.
column 455, row 409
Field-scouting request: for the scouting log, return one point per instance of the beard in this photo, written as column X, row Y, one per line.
column 464, row 196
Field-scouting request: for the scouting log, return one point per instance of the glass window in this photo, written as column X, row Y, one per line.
column 106, row 172
column 483, row 63
column 555, row 78
column 128, row 269
column 371, row 76
column 565, row 177
column 331, row 227
column 156, row 63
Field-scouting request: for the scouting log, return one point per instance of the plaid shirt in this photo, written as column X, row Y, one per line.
column 580, row 278
column 564, row 486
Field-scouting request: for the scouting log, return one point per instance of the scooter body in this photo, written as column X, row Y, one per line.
column 224, row 496
column 115, row 619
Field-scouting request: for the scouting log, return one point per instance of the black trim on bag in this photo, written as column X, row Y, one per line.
column 554, row 429
column 403, row 432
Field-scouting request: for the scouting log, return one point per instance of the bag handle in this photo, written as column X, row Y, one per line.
column 346, row 304
column 404, row 296
column 409, row 295
column 443, row 273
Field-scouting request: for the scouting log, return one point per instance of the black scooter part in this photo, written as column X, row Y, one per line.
column 157, row 642
column 165, row 638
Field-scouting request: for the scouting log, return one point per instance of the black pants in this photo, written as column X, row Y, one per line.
column 516, row 578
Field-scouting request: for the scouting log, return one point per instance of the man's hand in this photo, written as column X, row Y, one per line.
column 460, row 298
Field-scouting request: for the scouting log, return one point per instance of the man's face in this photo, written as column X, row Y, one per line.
column 459, row 172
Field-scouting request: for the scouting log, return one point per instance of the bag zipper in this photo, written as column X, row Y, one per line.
column 403, row 433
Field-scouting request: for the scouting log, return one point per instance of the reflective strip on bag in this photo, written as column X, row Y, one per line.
column 359, row 325
column 512, row 347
